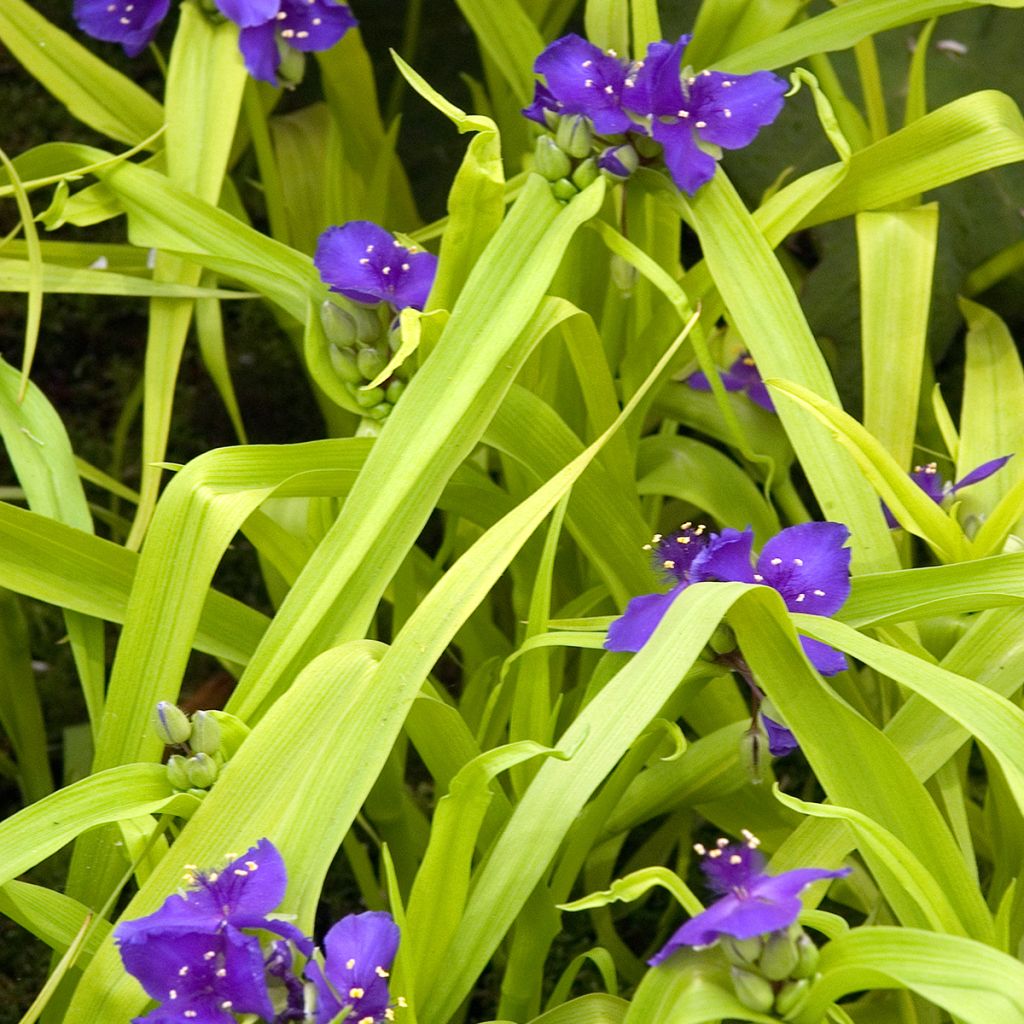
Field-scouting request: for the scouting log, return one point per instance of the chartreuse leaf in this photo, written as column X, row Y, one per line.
column 594, row 1008
column 436, row 424
column 916, row 898
column 508, row 36
column 764, row 309
column 634, row 885
column 607, row 24
column 41, row 455
column 896, row 255
column 51, row 562
column 914, row 510
column 975, row 983
column 992, row 415
column 50, row 916
column 93, row 91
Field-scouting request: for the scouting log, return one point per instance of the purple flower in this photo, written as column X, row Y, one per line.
column 806, row 564
column 742, row 375
column 132, row 23
column 366, row 264
column 360, row 949
column 304, row 25
column 780, row 740
column 582, row 79
column 752, row 902
column 927, row 478
column 709, row 109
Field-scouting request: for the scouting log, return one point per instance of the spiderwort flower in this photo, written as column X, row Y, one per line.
column 359, row 949
column 806, row 564
column 752, row 903
column 711, row 109
column 132, row 23
column 928, row 479
column 366, row 264
column 742, row 376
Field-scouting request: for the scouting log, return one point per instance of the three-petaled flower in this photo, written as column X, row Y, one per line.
column 752, row 903
column 366, row 264
column 807, row 564
column 304, row 25
column 742, row 376
column 927, row 477
column 693, row 118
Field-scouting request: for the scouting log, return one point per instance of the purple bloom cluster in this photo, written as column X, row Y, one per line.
column 752, row 903
column 807, row 564
column 928, row 479
column 692, row 117
column 198, row 958
column 366, row 264
column 265, row 25
column 742, row 376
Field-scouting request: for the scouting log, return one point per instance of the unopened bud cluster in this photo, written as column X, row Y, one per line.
column 361, row 344
column 774, row 972
column 573, row 157
column 200, row 737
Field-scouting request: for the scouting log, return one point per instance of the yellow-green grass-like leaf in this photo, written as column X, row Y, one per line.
column 975, row 983
column 632, row 886
column 508, row 36
column 50, row 916
column 896, row 254
column 594, row 1008
column 93, row 92
column 607, row 24
column 913, row 509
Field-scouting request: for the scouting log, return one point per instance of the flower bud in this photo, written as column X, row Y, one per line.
column 366, row 399
column 395, row 390
column 807, row 957
column 624, row 275
column 292, row 68
column 549, row 160
column 171, row 723
column 379, row 412
column 344, row 362
column 790, row 996
column 723, row 640
column 177, row 771
column 780, row 956
column 339, row 326
column 585, row 174
column 574, row 136
column 752, row 990
column 754, row 753
column 370, row 362
column 619, row 162
column 564, row 189
column 205, row 737
column 202, row 771
column 646, row 147
column 741, row 952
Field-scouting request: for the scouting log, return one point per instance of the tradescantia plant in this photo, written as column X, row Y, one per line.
column 467, row 734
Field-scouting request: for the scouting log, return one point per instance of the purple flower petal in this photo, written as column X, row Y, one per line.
column 542, row 100
column 827, row 660
column 699, row 381
column 809, row 567
column 310, row 25
column 735, row 866
column 585, row 80
column 780, row 740
column 247, row 13
column 366, row 264
column 983, row 472
column 638, row 622
column 260, row 52
column 726, row 558
column 688, row 164
column 132, row 23
column 359, row 949
column 657, row 87
column 927, row 477
column 729, row 110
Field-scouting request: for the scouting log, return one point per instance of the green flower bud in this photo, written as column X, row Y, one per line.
column 791, row 996
column 366, row 399
column 752, row 990
column 395, row 391
column 370, row 362
column 379, row 412
column 205, row 734
column 723, row 640
column 345, row 366
column 549, row 160
column 292, row 68
column 574, row 136
column 564, row 189
column 623, row 274
column 171, row 723
column 619, row 162
column 754, row 753
column 741, row 952
column 807, row 957
column 646, row 147
column 339, row 327
column 394, row 339
column 202, row 771
column 585, row 174
column 780, row 956
column 177, row 771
